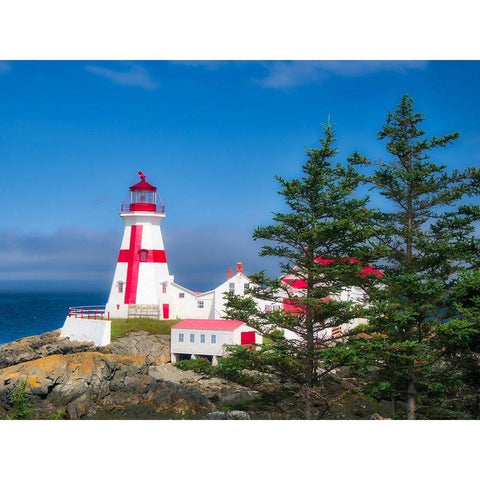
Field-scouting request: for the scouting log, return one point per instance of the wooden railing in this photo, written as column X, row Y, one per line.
column 90, row 312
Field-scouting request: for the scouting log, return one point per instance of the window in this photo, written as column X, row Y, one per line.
column 214, row 339
column 120, row 287
column 231, row 287
column 164, row 287
column 143, row 255
column 202, row 338
column 246, row 287
column 192, row 338
column 200, row 304
column 180, row 337
column 181, row 295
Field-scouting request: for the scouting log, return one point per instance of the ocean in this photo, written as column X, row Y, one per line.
column 24, row 314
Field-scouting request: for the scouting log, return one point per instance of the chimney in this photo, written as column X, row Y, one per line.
column 239, row 267
column 229, row 273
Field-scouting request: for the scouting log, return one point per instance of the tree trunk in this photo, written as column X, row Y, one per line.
column 310, row 354
column 412, row 400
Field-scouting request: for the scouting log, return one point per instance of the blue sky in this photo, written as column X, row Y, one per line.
column 210, row 135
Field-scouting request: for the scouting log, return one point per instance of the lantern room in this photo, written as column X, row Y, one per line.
column 143, row 197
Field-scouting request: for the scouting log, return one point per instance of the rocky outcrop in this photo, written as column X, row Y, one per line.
column 38, row 346
column 156, row 348
column 90, row 384
column 127, row 379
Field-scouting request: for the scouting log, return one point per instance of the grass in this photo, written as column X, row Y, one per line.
column 121, row 326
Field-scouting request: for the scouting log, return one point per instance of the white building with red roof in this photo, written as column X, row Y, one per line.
column 142, row 285
column 193, row 338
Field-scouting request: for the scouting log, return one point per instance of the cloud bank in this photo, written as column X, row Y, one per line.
column 130, row 75
column 290, row 74
column 198, row 256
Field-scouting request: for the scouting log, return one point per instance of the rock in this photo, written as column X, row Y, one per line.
column 233, row 415
column 156, row 348
column 39, row 346
column 238, row 396
column 86, row 384
column 238, row 415
column 78, row 408
column 216, row 416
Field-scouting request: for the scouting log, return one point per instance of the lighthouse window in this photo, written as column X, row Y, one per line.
column 143, row 255
column 120, row 287
column 231, row 287
column 200, row 304
column 181, row 295
column 164, row 287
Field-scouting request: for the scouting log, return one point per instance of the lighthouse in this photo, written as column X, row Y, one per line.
column 141, row 284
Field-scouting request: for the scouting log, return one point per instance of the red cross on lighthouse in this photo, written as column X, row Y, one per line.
column 134, row 256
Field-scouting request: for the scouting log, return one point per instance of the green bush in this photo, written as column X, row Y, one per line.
column 198, row 365
column 21, row 405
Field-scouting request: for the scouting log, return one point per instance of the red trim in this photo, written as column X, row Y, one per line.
column 143, row 185
column 123, row 256
column 143, row 207
column 166, row 311
column 133, row 264
column 133, row 258
column 209, row 324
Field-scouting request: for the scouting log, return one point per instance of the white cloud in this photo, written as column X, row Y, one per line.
column 131, row 75
column 289, row 74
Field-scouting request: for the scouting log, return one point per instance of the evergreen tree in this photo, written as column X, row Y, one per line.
column 459, row 338
column 324, row 227
column 428, row 235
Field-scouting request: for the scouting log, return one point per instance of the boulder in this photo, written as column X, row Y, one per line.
column 155, row 348
column 39, row 346
column 238, row 396
column 233, row 415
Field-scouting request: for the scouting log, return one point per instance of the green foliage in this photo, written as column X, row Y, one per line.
column 428, row 236
column 324, row 217
column 21, row 405
column 121, row 326
column 198, row 365
column 58, row 415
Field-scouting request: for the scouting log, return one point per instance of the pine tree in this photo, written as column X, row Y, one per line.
column 324, row 227
column 428, row 235
column 459, row 339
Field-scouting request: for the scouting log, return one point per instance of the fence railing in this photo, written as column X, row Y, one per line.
column 158, row 207
column 90, row 312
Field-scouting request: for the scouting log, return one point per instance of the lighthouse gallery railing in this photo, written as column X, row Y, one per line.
column 90, row 312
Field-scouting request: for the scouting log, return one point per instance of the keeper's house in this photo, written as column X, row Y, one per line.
column 195, row 338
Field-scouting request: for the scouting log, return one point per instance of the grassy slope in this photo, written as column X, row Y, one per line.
column 120, row 326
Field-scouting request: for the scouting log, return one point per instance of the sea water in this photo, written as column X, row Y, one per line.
column 24, row 314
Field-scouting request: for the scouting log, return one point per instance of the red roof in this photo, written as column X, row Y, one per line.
column 299, row 283
column 142, row 184
column 204, row 324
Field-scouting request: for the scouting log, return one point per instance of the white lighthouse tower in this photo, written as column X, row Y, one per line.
column 141, row 284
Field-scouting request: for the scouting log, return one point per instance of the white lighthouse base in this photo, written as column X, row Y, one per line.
column 86, row 330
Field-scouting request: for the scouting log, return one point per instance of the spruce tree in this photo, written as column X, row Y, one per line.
column 428, row 235
column 321, row 241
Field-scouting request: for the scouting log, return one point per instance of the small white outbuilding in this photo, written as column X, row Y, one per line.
column 193, row 338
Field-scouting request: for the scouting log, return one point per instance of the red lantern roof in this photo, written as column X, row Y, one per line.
column 143, row 185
